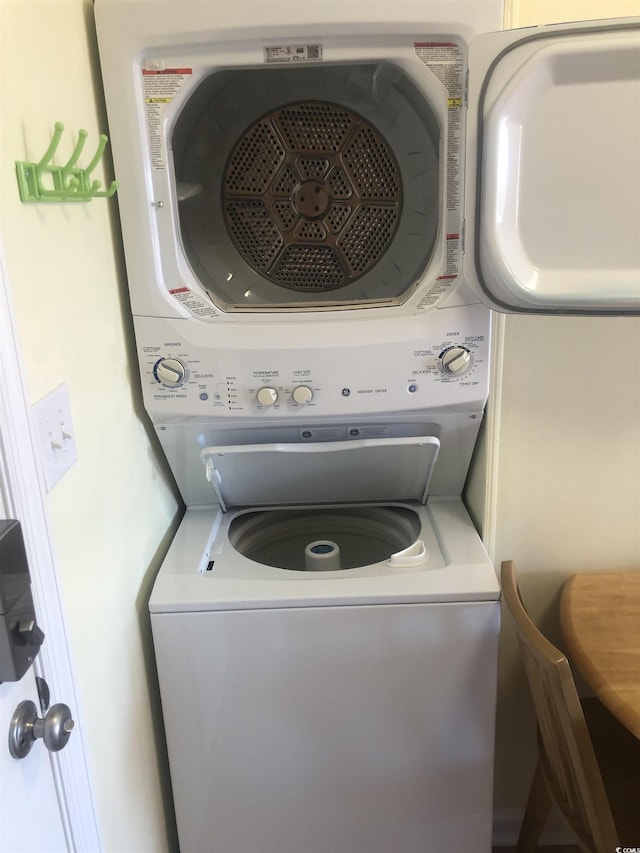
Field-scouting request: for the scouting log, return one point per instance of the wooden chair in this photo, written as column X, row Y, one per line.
column 588, row 763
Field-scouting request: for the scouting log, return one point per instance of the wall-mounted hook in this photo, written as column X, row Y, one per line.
column 44, row 182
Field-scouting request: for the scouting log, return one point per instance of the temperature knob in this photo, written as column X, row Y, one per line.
column 302, row 395
column 456, row 361
column 170, row 372
column 267, row 396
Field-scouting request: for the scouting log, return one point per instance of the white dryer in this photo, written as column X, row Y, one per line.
column 281, row 161
column 320, row 203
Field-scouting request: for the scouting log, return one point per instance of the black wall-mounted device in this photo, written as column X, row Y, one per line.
column 20, row 635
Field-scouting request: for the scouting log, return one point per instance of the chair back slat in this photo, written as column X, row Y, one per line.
column 567, row 756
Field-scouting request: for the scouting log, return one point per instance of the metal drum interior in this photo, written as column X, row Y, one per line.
column 311, row 187
column 312, row 196
column 363, row 535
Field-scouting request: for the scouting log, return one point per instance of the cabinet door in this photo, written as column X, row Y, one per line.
column 552, row 198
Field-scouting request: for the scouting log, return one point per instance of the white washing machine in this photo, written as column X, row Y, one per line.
column 345, row 709
column 320, row 203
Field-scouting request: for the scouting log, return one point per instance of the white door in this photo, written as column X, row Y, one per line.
column 46, row 802
column 552, row 197
column 30, row 819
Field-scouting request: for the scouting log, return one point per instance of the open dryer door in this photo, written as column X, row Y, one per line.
column 552, row 197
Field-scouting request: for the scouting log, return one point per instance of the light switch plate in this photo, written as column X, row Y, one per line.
column 52, row 419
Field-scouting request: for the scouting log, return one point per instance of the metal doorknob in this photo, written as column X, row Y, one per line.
column 26, row 727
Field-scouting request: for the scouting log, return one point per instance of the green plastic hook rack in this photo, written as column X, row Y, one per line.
column 44, row 182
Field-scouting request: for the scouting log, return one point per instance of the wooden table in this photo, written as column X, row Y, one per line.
column 600, row 620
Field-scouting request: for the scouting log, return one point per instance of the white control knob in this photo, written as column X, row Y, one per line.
column 170, row 372
column 267, row 396
column 456, row 361
column 302, row 395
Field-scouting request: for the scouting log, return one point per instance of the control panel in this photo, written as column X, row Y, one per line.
column 444, row 364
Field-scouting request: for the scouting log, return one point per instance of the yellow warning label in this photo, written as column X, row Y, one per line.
column 158, row 100
column 454, row 102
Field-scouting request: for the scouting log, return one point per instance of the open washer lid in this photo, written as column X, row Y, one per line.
column 552, row 197
column 364, row 470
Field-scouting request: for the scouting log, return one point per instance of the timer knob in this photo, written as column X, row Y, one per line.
column 302, row 395
column 170, row 372
column 267, row 396
column 456, row 361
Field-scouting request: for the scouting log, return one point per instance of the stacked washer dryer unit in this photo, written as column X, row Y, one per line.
column 292, row 199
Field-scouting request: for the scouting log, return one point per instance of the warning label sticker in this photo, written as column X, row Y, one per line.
column 160, row 88
column 193, row 303
column 445, row 60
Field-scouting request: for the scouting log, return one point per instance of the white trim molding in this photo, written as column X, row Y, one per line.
column 23, row 497
column 493, row 420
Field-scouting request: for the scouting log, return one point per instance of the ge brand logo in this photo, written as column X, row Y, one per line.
column 345, row 392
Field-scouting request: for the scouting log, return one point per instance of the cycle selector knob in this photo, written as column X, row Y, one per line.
column 267, row 396
column 302, row 395
column 455, row 361
column 170, row 372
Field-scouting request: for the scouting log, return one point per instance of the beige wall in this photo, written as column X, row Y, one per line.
column 566, row 490
column 111, row 512
column 526, row 13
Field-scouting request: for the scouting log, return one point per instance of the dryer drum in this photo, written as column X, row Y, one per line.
column 312, row 196
column 308, row 188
